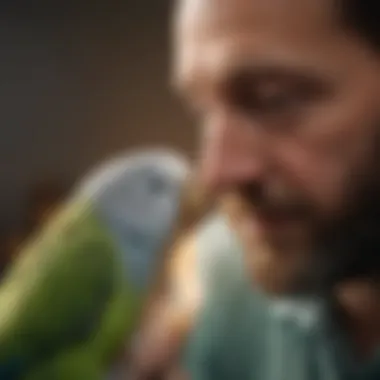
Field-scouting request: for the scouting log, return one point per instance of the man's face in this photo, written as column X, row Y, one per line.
column 288, row 104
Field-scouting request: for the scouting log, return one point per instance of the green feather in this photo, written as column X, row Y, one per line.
column 56, row 294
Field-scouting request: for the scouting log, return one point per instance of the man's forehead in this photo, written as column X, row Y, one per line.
column 216, row 65
column 229, row 14
column 215, row 36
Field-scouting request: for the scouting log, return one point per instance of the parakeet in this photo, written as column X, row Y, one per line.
column 73, row 297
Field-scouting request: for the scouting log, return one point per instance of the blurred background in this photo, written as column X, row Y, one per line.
column 80, row 81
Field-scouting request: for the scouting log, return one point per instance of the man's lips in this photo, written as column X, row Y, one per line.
column 272, row 221
column 263, row 220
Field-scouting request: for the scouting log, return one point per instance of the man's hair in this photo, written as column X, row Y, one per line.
column 362, row 17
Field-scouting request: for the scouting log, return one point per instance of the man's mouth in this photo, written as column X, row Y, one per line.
column 271, row 221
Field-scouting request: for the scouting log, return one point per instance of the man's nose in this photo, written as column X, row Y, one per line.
column 231, row 153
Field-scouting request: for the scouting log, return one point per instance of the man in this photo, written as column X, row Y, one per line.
column 287, row 93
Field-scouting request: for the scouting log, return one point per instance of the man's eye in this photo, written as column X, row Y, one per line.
column 265, row 99
column 268, row 101
column 274, row 103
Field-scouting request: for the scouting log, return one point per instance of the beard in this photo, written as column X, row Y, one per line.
column 342, row 248
column 340, row 245
column 349, row 249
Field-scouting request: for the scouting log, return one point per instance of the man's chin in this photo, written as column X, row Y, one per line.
column 273, row 275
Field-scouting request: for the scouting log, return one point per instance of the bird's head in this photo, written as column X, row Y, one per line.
column 137, row 197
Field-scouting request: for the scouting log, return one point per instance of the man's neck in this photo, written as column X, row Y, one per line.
column 359, row 301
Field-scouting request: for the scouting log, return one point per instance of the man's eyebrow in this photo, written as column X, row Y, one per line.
column 268, row 72
column 247, row 72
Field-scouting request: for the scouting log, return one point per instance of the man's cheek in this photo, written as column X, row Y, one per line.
column 319, row 177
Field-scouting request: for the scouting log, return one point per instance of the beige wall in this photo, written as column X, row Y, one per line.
column 78, row 84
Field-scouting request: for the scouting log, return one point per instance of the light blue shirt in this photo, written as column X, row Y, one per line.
column 243, row 335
